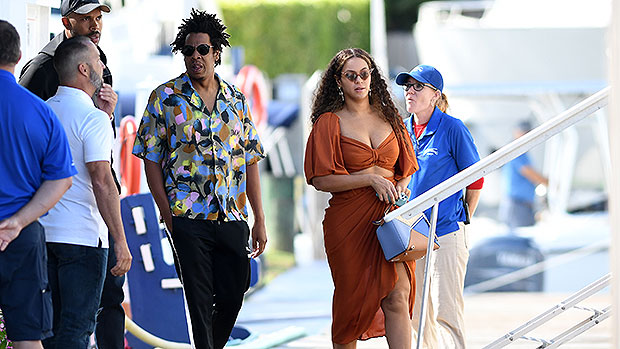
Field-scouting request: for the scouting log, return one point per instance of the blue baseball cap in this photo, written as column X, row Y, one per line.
column 423, row 73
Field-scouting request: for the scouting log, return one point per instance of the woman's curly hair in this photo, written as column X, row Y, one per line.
column 202, row 22
column 327, row 97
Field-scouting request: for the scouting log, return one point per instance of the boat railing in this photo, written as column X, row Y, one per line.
column 502, row 156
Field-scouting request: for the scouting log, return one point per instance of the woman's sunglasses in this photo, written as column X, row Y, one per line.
column 188, row 50
column 352, row 76
column 417, row 86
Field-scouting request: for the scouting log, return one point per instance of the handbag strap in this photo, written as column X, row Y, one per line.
column 381, row 221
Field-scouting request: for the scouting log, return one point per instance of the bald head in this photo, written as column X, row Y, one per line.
column 78, row 64
column 69, row 55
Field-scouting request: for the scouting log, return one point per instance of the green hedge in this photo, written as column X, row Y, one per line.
column 401, row 15
column 296, row 36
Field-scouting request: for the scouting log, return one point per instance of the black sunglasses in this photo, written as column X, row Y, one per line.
column 352, row 76
column 188, row 50
column 417, row 86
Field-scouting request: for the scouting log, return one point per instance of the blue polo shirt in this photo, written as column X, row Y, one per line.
column 33, row 146
column 515, row 184
column 445, row 148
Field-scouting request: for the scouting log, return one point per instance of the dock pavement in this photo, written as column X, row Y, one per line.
column 299, row 300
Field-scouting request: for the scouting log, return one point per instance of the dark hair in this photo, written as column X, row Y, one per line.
column 9, row 44
column 202, row 22
column 327, row 97
column 69, row 54
column 525, row 126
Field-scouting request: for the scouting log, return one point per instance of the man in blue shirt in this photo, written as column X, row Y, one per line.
column 519, row 185
column 35, row 170
column 85, row 18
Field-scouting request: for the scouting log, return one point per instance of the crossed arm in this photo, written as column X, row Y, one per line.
column 43, row 200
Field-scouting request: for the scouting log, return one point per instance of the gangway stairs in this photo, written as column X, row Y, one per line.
column 570, row 303
column 492, row 162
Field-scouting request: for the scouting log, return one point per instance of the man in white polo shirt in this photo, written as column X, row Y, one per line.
column 77, row 227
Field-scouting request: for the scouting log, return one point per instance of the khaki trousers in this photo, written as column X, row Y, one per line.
column 444, row 325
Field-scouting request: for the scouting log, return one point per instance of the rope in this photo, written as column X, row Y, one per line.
column 150, row 339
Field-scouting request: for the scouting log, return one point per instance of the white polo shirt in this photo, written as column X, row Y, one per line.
column 75, row 219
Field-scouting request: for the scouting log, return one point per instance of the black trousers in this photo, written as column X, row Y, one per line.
column 110, row 324
column 212, row 261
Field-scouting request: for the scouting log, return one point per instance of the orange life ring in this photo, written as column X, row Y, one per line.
column 130, row 165
column 252, row 84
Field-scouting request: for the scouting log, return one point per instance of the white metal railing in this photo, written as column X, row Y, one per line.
column 502, row 156
column 571, row 302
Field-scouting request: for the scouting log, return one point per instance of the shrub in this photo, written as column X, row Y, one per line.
column 296, row 36
column 4, row 342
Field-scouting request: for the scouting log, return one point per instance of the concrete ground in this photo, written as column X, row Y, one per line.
column 299, row 300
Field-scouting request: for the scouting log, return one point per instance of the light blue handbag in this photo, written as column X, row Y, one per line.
column 404, row 239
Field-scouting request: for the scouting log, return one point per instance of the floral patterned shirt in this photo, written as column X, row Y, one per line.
column 204, row 156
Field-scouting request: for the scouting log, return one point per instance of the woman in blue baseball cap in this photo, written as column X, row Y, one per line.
column 443, row 146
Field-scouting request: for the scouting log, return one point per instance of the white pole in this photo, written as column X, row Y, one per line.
column 427, row 269
column 31, row 18
column 614, row 151
column 378, row 36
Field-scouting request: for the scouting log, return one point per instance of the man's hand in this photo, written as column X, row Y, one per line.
column 9, row 229
column 123, row 258
column 167, row 216
column 106, row 99
column 259, row 239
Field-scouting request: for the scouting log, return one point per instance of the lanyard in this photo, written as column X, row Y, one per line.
column 414, row 139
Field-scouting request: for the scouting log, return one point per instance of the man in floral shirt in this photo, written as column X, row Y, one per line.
column 200, row 151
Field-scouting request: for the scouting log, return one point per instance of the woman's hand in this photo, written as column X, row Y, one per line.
column 386, row 191
column 402, row 187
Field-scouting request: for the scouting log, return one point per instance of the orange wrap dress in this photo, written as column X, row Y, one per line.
column 361, row 275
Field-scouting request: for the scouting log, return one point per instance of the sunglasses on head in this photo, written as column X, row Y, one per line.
column 188, row 50
column 418, row 86
column 352, row 76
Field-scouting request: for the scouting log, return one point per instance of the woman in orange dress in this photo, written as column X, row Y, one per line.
column 359, row 151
